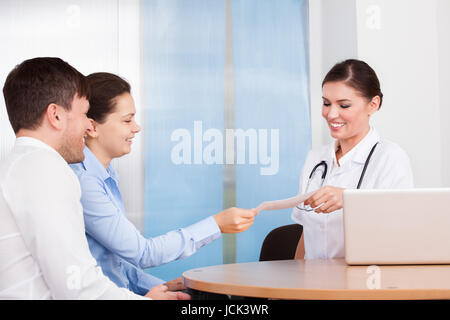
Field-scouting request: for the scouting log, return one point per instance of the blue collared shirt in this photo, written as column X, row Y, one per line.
column 119, row 248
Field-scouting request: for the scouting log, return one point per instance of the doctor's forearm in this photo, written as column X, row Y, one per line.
column 300, row 252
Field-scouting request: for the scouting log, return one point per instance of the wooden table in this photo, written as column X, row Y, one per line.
column 322, row 279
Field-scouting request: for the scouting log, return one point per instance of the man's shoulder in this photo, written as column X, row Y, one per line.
column 27, row 163
column 26, row 156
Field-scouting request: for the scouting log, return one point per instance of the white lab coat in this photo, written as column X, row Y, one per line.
column 388, row 168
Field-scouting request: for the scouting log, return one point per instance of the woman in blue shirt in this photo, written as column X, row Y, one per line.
column 119, row 248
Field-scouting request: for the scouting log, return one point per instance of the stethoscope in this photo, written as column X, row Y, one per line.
column 324, row 164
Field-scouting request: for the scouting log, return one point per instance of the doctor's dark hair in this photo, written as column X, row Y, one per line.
column 358, row 75
column 35, row 84
column 105, row 88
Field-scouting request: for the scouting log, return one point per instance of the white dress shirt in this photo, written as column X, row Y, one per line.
column 388, row 168
column 44, row 253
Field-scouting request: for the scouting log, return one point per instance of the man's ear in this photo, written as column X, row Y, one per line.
column 55, row 116
column 93, row 133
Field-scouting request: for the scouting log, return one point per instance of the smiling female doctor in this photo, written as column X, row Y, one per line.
column 358, row 158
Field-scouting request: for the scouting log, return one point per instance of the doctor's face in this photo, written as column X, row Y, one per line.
column 346, row 111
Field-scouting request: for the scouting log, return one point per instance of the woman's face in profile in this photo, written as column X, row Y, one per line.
column 115, row 135
column 346, row 111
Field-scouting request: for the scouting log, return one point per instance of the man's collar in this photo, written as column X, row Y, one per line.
column 34, row 142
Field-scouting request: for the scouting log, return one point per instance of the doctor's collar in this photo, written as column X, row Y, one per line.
column 359, row 152
column 363, row 148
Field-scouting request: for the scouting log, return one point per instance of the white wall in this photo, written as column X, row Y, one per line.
column 407, row 44
column 443, row 29
column 100, row 35
column 332, row 38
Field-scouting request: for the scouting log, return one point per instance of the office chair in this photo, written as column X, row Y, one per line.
column 281, row 243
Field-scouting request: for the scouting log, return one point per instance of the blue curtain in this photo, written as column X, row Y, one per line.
column 271, row 91
column 184, row 48
column 184, row 83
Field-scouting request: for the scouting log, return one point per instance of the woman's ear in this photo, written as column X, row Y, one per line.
column 93, row 133
column 374, row 105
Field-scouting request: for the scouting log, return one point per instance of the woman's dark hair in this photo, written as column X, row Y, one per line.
column 358, row 75
column 34, row 84
column 104, row 88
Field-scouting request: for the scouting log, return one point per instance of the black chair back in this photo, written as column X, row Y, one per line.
column 281, row 243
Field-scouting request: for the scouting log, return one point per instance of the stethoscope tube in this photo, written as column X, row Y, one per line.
column 365, row 166
column 325, row 166
column 324, row 174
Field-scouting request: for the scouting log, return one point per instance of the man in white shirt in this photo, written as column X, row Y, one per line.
column 43, row 249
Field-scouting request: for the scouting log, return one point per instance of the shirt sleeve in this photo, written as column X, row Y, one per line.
column 140, row 282
column 106, row 223
column 43, row 194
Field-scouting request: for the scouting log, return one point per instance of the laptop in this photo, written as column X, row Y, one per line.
column 409, row 226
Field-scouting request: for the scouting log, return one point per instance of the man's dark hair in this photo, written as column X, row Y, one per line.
column 104, row 88
column 34, row 84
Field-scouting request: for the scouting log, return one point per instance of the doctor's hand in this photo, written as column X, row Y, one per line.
column 328, row 198
column 235, row 220
column 161, row 292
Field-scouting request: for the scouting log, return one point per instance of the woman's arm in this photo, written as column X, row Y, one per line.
column 108, row 225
